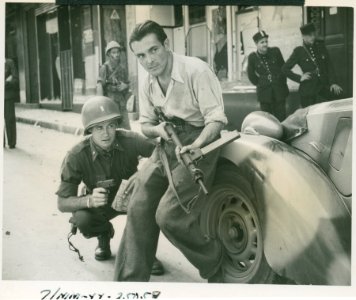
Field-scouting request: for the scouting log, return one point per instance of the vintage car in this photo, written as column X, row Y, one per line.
column 281, row 201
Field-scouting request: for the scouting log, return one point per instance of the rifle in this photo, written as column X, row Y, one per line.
column 191, row 158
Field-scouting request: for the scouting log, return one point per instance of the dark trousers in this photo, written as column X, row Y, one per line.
column 154, row 207
column 94, row 221
column 10, row 122
column 321, row 95
column 273, row 100
column 278, row 109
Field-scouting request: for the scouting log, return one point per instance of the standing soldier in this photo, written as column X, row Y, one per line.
column 264, row 71
column 113, row 81
column 11, row 94
column 101, row 162
column 318, row 77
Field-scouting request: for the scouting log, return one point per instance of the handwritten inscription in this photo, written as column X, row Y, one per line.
column 59, row 295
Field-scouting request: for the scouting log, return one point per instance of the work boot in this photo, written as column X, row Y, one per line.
column 103, row 251
column 157, row 268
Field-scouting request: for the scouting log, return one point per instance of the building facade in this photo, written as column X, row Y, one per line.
column 58, row 49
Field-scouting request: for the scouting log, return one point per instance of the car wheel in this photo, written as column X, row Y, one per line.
column 231, row 217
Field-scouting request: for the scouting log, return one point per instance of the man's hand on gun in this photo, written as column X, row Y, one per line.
column 161, row 131
column 181, row 150
column 99, row 197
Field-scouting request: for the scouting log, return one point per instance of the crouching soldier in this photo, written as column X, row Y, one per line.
column 101, row 161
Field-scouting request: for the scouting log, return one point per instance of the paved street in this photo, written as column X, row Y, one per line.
column 34, row 232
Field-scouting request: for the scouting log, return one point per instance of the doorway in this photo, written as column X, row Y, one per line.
column 48, row 54
column 335, row 25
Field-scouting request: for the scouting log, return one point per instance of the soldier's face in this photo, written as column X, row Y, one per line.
column 152, row 54
column 309, row 39
column 262, row 45
column 103, row 134
column 114, row 54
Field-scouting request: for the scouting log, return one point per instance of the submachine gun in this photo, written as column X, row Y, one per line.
column 191, row 158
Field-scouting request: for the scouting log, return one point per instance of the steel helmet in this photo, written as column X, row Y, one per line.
column 98, row 109
column 112, row 45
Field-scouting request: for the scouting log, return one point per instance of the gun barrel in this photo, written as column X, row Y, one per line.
column 186, row 157
column 203, row 187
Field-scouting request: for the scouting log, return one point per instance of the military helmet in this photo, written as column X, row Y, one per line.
column 98, row 109
column 111, row 45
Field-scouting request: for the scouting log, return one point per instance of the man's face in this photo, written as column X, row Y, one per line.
column 309, row 38
column 103, row 134
column 262, row 45
column 114, row 54
column 151, row 54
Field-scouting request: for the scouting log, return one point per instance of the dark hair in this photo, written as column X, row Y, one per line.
column 145, row 28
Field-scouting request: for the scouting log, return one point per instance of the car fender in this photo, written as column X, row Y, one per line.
column 306, row 224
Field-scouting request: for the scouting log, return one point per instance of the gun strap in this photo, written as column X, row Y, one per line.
column 165, row 163
column 72, row 247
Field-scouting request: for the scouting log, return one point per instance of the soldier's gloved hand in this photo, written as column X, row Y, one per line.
column 305, row 76
column 161, row 131
column 336, row 89
column 98, row 198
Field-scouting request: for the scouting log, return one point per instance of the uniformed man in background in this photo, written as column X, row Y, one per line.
column 264, row 71
column 113, row 81
column 11, row 95
column 317, row 81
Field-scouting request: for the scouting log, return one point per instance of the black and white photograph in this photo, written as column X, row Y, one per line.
column 174, row 151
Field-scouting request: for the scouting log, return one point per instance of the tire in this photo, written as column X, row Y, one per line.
column 231, row 217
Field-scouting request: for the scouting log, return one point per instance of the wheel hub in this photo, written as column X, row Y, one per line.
column 237, row 231
column 232, row 232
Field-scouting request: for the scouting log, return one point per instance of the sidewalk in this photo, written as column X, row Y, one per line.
column 63, row 121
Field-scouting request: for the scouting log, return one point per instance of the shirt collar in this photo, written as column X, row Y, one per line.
column 96, row 150
column 175, row 74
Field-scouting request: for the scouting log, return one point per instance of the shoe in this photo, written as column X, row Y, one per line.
column 218, row 277
column 157, row 268
column 103, row 251
column 12, row 147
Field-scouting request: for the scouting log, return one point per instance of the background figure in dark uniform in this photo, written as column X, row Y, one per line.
column 264, row 71
column 113, row 81
column 11, row 94
column 317, row 83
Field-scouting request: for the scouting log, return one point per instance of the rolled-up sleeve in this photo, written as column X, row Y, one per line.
column 71, row 176
column 147, row 114
column 209, row 96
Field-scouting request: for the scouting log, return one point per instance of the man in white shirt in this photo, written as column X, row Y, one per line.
column 189, row 94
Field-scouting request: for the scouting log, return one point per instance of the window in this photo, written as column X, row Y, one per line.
column 196, row 15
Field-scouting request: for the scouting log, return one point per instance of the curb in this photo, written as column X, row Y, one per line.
column 53, row 126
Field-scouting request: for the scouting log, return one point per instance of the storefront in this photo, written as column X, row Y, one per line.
column 65, row 45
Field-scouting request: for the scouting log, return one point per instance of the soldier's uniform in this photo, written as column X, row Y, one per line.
column 11, row 94
column 315, row 60
column 264, row 71
column 88, row 163
column 110, row 75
